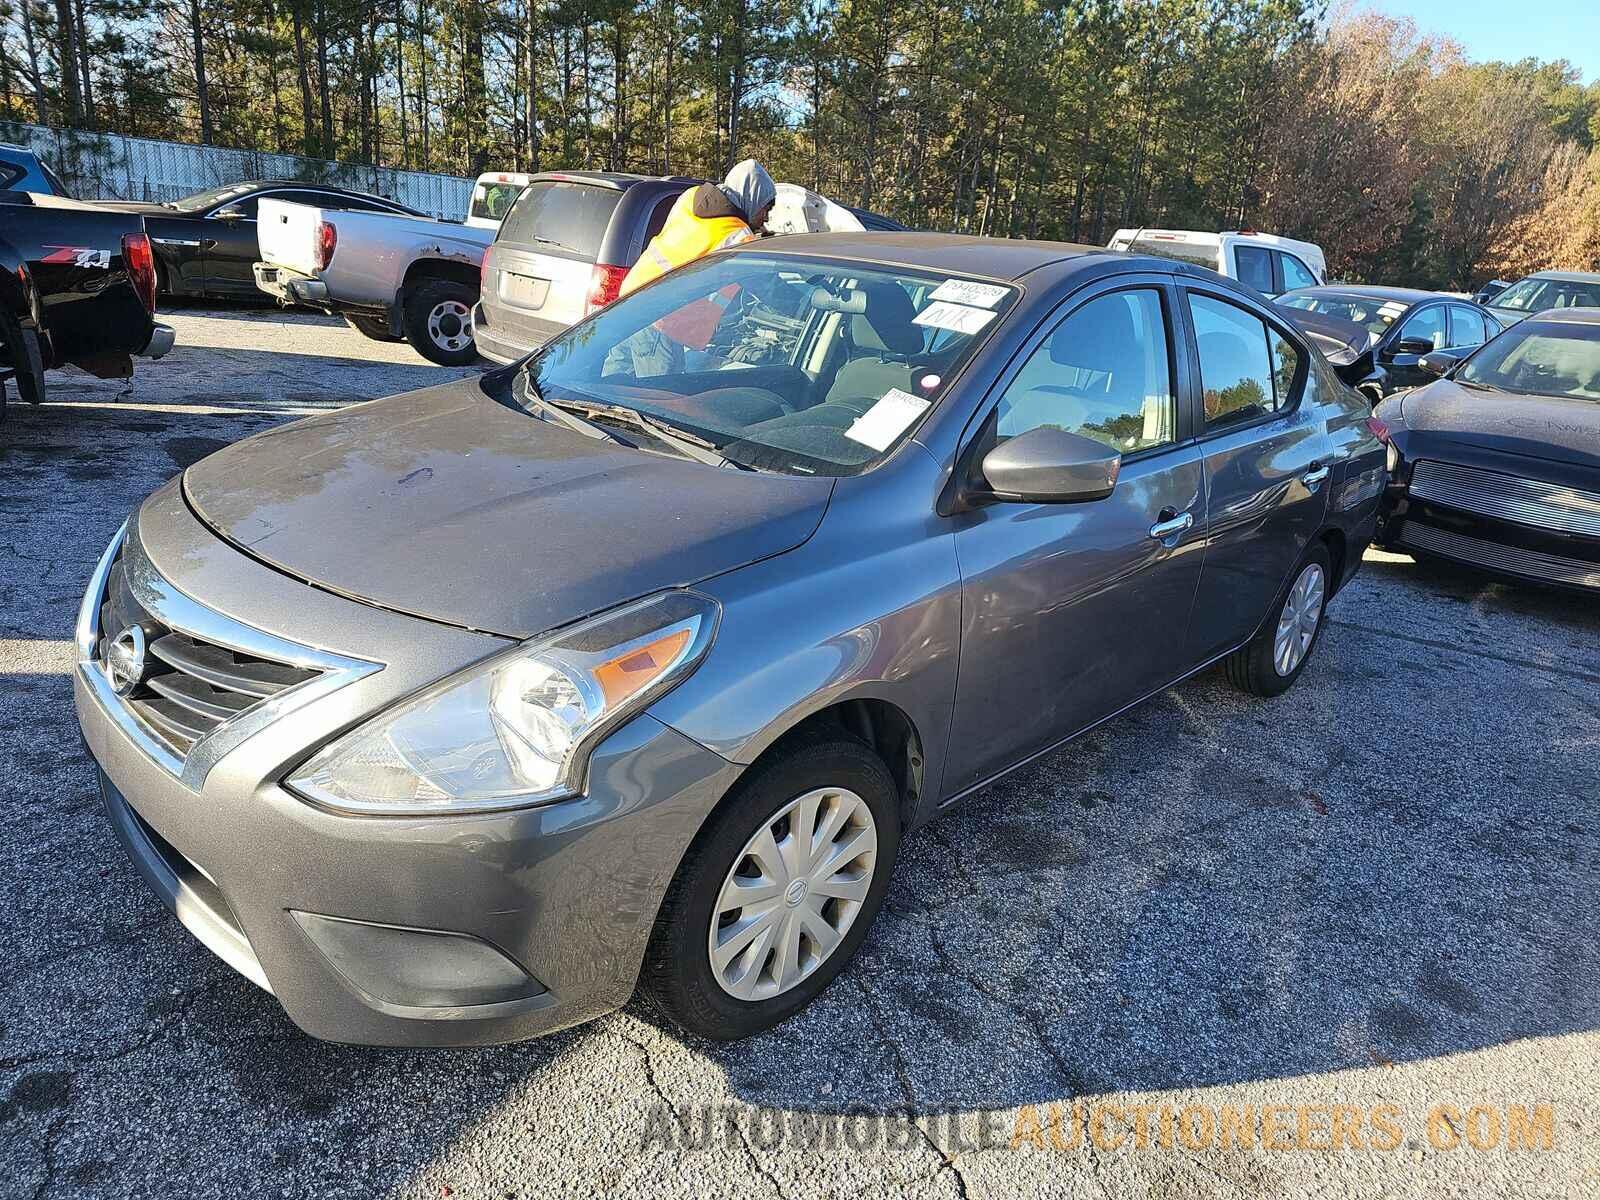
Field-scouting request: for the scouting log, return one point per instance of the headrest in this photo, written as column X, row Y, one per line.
column 1098, row 337
column 708, row 203
column 888, row 325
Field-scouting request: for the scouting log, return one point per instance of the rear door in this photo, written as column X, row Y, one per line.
column 1469, row 328
column 537, row 274
column 1266, row 457
column 1074, row 611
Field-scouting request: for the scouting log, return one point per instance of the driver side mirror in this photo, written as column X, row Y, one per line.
column 1047, row 465
column 229, row 212
column 1439, row 363
column 1413, row 345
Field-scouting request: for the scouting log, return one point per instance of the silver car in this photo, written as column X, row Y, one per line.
column 450, row 718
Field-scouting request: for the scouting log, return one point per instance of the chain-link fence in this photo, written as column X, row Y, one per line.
column 114, row 166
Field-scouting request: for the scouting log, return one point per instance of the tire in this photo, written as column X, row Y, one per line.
column 436, row 313
column 1259, row 666
column 376, row 328
column 836, row 777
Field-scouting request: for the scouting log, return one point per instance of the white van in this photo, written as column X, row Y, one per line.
column 1272, row 265
column 492, row 197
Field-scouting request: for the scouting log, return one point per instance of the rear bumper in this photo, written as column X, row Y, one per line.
column 290, row 287
column 494, row 345
column 161, row 340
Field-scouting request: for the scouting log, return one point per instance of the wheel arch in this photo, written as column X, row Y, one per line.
column 426, row 269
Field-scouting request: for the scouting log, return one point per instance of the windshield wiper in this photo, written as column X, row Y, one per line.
column 688, row 444
column 545, row 241
column 571, row 420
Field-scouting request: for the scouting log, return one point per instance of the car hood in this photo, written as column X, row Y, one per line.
column 448, row 505
column 1508, row 316
column 1340, row 341
column 1544, row 436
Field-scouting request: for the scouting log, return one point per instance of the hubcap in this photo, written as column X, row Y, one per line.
column 450, row 325
column 794, row 891
column 1302, row 612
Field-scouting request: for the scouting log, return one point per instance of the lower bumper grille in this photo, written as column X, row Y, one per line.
column 1514, row 560
column 1508, row 497
column 188, row 686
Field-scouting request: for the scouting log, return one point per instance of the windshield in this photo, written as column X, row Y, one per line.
column 491, row 201
column 1373, row 315
column 1207, row 256
column 783, row 364
column 210, row 196
column 1536, row 295
column 1544, row 357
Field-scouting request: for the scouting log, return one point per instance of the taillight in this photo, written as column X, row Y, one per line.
column 327, row 243
column 140, row 260
column 605, row 285
column 1379, row 429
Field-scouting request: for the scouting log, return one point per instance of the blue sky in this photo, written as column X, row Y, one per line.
column 1512, row 29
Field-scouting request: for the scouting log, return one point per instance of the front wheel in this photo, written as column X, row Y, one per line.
column 438, row 322
column 776, row 893
column 1274, row 658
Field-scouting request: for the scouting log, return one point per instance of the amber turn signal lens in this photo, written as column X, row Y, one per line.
column 621, row 677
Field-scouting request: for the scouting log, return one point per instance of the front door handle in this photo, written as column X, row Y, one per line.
column 1171, row 526
column 1315, row 475
column 208, row 243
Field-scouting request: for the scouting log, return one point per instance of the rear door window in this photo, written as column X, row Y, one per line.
column 1238, row 368
column 1255, row 268
column 557, row 215
column 1466, row 326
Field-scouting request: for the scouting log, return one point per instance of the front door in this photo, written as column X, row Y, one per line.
column 1267, row 462
column 1071, row 612
column 1422, row 333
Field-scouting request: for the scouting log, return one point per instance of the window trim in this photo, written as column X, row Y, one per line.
column 1256, row 309
column 975, row 431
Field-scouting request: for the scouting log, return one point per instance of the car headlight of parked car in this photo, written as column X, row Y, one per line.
column 516, row 729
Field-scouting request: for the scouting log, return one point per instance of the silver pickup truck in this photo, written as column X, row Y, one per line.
column 393, row 278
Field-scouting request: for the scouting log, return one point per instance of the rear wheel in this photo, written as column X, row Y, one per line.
column 438, row 322
column 1274, row 658
column 777, row 892
column 376, row 328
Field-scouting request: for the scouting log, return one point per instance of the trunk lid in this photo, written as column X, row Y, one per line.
column 448, row 505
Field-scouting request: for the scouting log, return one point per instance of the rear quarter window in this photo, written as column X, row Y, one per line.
column 561, row 216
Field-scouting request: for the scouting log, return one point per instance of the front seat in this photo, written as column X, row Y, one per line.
column 1098, row 342
column 885, row 338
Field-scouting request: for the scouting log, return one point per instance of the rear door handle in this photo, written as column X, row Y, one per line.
column 1181, row 523
column 1315, row 475
column 208, row 243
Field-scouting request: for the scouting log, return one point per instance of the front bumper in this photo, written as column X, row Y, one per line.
column 392, row 931
column 1479, row 531
column 290, row 287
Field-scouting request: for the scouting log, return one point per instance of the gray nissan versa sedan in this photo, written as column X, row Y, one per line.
column 451, row 717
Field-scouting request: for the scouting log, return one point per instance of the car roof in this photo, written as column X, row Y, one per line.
column 954, row 253
column 612, row 179
column 1565, row 316
column 1372, row 291
column 1566, row 276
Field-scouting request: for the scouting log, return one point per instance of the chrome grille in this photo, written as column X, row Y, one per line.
column 191, row 686
column 1508, row 497
column 1514, row 560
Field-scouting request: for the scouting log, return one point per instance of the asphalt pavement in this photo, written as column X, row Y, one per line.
column 1365, row 910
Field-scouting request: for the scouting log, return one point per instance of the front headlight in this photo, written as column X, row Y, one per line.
column 517, row 729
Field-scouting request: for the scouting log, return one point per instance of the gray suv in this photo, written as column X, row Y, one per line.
column 452, row 717
column 562, row 252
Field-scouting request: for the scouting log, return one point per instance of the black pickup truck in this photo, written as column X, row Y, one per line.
column 77, row 285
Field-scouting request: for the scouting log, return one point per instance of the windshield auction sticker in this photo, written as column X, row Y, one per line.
column 941, row 314
column 967, row 291
column 887, row 419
